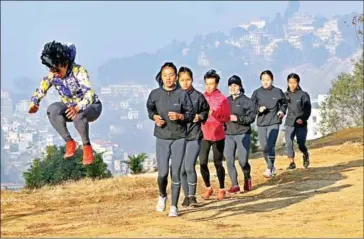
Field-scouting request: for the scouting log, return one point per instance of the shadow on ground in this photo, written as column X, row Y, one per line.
column 286, row 189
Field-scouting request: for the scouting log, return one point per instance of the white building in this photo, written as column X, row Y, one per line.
column 22, row 106
column 133, row 114
column 6, row 105
column 124, row 104
column 315, row 119
column 299, row 24
column 150, row 163
column 270, row 48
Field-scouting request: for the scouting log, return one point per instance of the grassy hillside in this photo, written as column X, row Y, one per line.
column 354, row 135
column 324, row 200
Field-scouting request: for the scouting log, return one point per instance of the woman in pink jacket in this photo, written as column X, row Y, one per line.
column 214, row 133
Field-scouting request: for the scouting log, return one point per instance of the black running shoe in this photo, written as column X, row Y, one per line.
column 186, row 202
column 292, row 166
column 193, row 201
column 306, row 160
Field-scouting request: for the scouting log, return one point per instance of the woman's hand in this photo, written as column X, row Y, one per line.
column 233, row 118
column 71, row 112
column 175, row 116
column 158, row 121
column 33, row 108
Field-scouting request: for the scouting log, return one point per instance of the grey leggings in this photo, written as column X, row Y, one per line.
column 300, row 133
column 188, row 171
column 57, row 116
column 242, row 144
column 174, row 150
column 268, row 137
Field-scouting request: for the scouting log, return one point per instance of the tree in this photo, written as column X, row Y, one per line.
column 358, row 22
column 54, row 169
column 254, row 141
column 136, row 162
column 343, row 106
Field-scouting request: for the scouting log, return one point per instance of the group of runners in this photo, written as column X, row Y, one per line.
column 188, row 123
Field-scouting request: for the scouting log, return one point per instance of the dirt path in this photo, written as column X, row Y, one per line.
column 324, row 201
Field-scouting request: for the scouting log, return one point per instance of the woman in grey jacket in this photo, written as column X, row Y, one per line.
column 299, row 111
column 170, row 108
column 238, row 132
column 271, row 105
column 193, row 136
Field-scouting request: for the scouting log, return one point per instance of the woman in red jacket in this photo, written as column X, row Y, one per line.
column 214, row 133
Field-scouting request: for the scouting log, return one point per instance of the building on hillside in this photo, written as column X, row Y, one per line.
column 133, row 114
column 22, row 107
column 315, row 119
column 326, row 32
column 299, row 24
column 6, row 105
column 124, row 104
column 270, row 48
column 330, row 33
column 150, row 163
column 258, row 23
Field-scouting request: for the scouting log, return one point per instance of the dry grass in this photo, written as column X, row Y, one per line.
column 324, row 201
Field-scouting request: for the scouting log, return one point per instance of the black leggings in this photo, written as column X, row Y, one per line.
column 218, row 152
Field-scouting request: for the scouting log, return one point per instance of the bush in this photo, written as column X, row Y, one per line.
column 54, row 169
column 136, row 163
column 254, row 141
column 343, row 106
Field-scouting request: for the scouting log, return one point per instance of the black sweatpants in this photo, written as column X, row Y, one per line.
column 218, row 155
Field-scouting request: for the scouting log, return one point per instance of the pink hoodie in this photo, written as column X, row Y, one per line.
column 213, row 129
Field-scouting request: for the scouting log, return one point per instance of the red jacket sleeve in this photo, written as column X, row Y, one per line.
column 223, row 113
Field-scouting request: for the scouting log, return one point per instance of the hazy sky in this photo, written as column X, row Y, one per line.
column 103, row 30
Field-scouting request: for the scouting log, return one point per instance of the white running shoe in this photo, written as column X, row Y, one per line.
column 173, row 212
column 274, row 171
column 161, row 205
column 267, row 173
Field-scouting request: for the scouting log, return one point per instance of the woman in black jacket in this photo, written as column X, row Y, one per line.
column 238, row 132
column 193, row 136
column 170, row 108
column 299, row 111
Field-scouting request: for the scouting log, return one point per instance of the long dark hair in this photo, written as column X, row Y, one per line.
column 187, row 70
column 297, row 78
column 158, row 77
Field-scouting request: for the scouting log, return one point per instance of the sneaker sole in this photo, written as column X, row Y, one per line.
column 234, row 192
column 160, row 210
column 69, row 156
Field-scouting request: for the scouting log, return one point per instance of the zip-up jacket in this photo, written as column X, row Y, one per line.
column 213, row 128
column 160, row 102
column 274, row 100
column 200, row 107
column 244, row 109
column 75, row 89
column 299, row 107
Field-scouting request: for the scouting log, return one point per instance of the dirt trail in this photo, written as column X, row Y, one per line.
column 324, row 201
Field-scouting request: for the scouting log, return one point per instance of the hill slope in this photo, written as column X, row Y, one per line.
column 325, row 200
